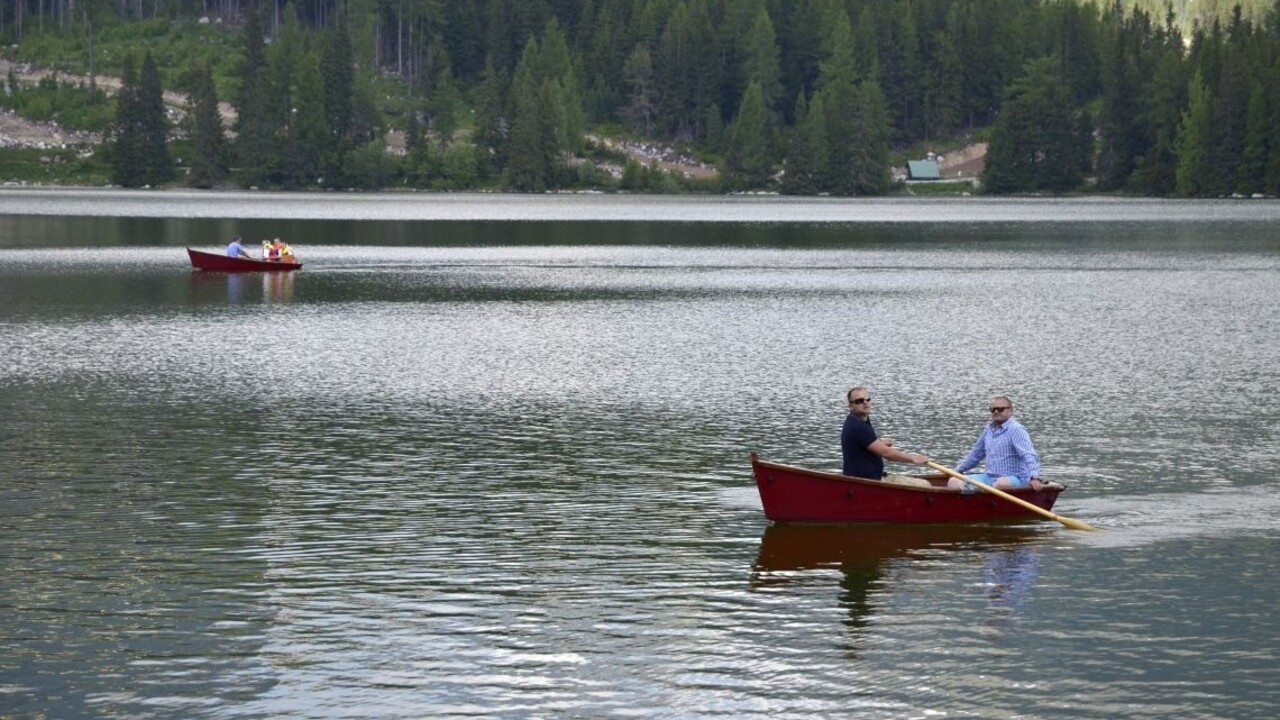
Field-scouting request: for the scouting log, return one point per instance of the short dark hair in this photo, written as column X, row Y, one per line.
column 848, row 396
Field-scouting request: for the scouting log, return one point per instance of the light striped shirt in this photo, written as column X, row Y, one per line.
column 1007, row 449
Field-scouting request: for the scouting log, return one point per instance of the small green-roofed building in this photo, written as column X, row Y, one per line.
column 923, row 170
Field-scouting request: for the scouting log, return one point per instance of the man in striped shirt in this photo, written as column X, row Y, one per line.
column 1011, row 459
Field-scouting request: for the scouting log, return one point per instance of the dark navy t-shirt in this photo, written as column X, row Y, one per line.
column 858, row 460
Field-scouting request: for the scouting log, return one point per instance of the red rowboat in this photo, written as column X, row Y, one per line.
column 220, row 262
column 792, row 494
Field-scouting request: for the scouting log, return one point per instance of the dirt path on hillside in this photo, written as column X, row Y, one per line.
column 17, row 131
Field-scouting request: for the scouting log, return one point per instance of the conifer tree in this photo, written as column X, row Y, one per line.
column 253, row 127
column 688, row 69
column 443, row 108
column 837, row 89
column 1229, row 111
column 1194, row 133
column 638, row 71
column 1157, row 169
column 339, row 79
column 898, row 53
column 750, row 158
column 1039, row 141
column 807, row 155
column 941, row 87
column 713, row 130
column 492, row 125
column 565, row 97
column 1271, row 181
column 760, row 60
column 532, row 154
column 869, row 169
column 209, row 165
column 1252, row 174
column 127, row 162
column 153, row 125
column 310, row 140
column 1118, row 120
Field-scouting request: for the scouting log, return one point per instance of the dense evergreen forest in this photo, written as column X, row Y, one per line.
column 797, row 96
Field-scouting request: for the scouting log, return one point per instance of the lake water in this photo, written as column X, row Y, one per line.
column 486, row 456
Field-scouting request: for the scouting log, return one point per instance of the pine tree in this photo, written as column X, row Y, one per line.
column 127, row 162
column 310, row 141
column 870, row 147
column 807, row 155
column 1252, row 174
column 689, row 70
column 899, row 60
column 760, row 60
column 1271, row 182
column 443, row 107
column 1157, row 169
column 254, row 149
column 1039, row 141
column 556, row 68
column 339, row 79
column 638, row 71
column 529, row 168
column 209, row 165
column 1194, row 133
column 942, row 89
column 1121, row 138
column 750, row 159
column 1229, row 112
column 492, row 124
column 837, row 88
column 153, row 126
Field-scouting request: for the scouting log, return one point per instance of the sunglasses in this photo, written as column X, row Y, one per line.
column 860, row 401
column 1001, row 409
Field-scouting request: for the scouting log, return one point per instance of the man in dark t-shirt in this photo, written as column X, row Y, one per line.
column 864, row 452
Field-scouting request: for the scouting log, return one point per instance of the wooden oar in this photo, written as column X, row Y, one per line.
column 1073, row 524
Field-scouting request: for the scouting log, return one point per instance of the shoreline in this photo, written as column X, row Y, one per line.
column 586, row 207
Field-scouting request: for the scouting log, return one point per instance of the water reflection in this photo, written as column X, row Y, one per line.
column 1009, row 575
column 241, row 288
column 277, row 287
column 865, row 555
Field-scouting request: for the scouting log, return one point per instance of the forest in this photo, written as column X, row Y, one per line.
column 803, row 97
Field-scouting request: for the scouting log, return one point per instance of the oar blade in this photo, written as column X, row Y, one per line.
column 1075, row 524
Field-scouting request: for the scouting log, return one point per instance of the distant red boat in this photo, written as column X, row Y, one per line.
column 792, row 494
column 220, row 262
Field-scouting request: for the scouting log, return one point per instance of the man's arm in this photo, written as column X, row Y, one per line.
column 975, row 456
column 879, row 447
column 1022, row 445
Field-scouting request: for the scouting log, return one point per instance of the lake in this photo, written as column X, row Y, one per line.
column 487, row 456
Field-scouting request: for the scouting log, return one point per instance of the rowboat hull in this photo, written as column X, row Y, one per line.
column 796, row 495
column 214, row 262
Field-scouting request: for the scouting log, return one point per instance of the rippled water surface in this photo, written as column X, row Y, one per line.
column 499, row 469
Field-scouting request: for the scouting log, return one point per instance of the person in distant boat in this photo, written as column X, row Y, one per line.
column 266, row 250
column 236, row 250
column 864, row 451
column 286, row 252
column 1011, row 460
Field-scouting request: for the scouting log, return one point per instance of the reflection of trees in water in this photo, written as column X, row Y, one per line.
column 863, row 555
